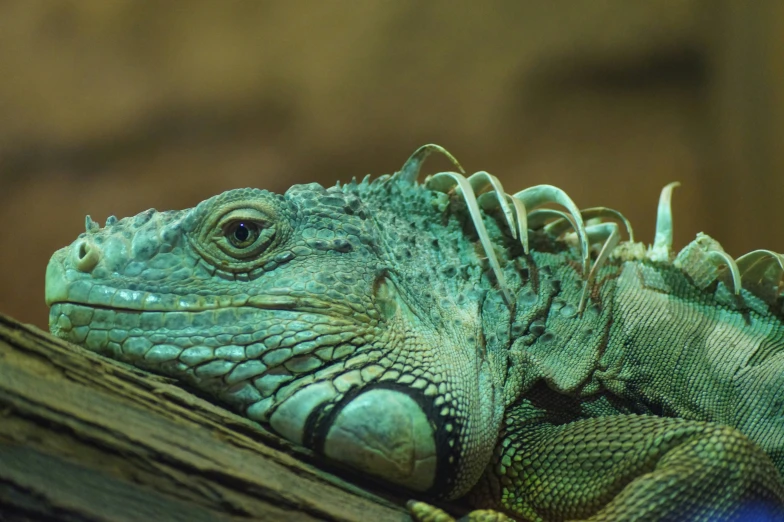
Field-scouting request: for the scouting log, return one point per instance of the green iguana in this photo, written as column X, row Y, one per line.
column 458, row 341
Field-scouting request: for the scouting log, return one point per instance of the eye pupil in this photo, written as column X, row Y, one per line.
column 241, row 232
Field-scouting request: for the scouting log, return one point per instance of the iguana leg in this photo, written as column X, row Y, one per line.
column 630, row 467
column 422, row 512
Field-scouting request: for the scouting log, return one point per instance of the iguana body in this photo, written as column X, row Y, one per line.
column 403, row 332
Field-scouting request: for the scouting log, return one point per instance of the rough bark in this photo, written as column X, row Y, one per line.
column 83, row 437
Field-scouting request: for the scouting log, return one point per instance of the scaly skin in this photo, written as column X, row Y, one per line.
column 362, row 321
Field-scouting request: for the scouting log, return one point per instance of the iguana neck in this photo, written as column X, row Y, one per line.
column 430, row 244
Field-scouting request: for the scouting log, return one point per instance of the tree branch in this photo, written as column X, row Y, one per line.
column 83, row 437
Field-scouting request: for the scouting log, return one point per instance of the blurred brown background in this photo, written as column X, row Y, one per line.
column 116, row 107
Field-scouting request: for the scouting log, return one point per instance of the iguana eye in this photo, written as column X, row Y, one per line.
column 243, row 237
column 242, row 234
column 237, row 237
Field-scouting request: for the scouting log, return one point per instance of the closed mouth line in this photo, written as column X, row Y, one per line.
column 274, row 303
column 102, row 307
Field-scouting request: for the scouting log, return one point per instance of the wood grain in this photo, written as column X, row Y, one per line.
column 83, row 437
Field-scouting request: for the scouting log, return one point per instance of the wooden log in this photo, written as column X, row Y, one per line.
column 83, row 437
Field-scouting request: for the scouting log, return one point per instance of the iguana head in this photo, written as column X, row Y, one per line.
column 333, row 316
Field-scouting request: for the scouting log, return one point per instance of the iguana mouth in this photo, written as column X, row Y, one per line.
column 260, row 302
column 99, row 307
column 270, row 303
column 84, row 292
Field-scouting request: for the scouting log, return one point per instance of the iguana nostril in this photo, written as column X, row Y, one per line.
column 85, row 255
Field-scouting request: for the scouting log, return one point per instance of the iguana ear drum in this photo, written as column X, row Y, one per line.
column 389, row 430
column 386, row 433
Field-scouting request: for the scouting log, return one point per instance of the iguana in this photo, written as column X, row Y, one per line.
column 458, row 341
